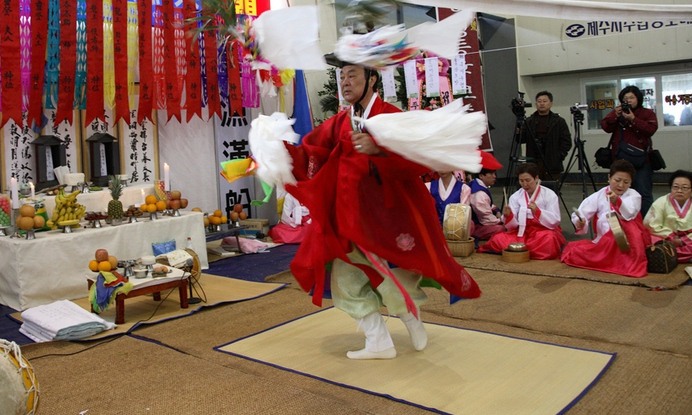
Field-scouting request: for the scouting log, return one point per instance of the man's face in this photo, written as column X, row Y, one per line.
column 488, row 179
column 352, row 83
column 543, row 104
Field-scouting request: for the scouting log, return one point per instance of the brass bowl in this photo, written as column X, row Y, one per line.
column 517, row 247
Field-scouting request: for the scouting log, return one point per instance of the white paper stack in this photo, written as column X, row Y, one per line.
column 60, row 173
column 61, row 320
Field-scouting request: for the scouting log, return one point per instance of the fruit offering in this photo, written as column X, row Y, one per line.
column 28, row 219
column 133, row 211
column 91, row 216
column 175, row 201
column 152, row 204
column 238, row 213
column 103, row 261
column 217, row 218
column 66, row 209
column 5, row 218
column 115, row 206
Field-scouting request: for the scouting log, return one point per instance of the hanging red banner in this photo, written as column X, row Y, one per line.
column 11, row 63
column 170, row 61
column 68, row 65
column 474, row 75
column 235, row 92
column 146, row 76
column 94, row 84
column 39, row 29
column 213, row 103
column 193, row 78
column 122, row 104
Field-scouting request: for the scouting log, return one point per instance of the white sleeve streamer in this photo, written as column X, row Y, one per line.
column 266, row 136
column 445, row 139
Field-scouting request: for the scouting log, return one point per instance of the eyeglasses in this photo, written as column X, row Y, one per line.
column 675, row 188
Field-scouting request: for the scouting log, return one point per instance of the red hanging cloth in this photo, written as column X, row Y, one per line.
column 122, row 104
column 94, row 84
column 146, row 68
column 68, row 65
column 11, row 63
column 39, row 29
column 235, row 95
column 170, row 61
column 193, row 78
column 210, row 55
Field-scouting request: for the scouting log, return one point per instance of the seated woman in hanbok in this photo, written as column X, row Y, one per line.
column 604, row 253
column 294, row 220
column 449, row 188
column 670, row 216
column 532, row 217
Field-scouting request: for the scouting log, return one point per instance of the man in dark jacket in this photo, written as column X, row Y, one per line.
column 547, row 138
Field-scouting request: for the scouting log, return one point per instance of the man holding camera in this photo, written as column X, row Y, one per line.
column 547, row 138
column 631, row 127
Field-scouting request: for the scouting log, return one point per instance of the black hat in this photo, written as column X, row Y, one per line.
column 333, row 60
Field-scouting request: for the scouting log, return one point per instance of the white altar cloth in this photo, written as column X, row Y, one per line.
column 98, row 201
column 54, row 266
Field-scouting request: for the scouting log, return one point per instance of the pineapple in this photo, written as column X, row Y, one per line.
column 115, row 206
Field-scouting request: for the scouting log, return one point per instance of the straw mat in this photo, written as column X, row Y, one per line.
column 212, row 289
column 555, row 268
column 461, row 371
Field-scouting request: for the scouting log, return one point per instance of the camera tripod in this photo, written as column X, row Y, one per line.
column 578, row 156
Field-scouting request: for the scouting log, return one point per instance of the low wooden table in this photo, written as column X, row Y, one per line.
column 142, row 286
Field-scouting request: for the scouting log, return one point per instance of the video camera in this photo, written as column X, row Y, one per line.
column 625, row 107
column 577, row 108
column 519, row 105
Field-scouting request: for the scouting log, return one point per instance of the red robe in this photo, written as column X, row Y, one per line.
column 376, row 202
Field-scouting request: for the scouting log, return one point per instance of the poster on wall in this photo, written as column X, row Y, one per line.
column 18, row 153
column 138, row 150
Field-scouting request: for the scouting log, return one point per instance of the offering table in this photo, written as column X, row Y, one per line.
column 53, row 266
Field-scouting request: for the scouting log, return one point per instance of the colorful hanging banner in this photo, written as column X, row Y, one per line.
column 52, row 55
column 132, row 51
column 68, row 64
column 81, row 70
column 146, row 74
column 122, row 105
column 193, row 98
column 11, row 66
column 211, row 68
column 25, row 50
column 94, row 89
column 158, row 63
column 108, row 57
column 235, row 91
column 39, row 42
column 170, row 61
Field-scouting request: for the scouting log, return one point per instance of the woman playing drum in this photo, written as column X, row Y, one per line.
column 621, row 238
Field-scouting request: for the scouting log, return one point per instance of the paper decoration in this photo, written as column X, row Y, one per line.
column 432, row 78
column 388, row 84
column 459, row 74
column 411, row 79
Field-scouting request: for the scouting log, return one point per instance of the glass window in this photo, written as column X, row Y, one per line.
column 647, row 86
column 676, row 91
column 601, row 98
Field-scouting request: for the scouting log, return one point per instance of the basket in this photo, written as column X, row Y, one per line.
column 515, row 256
column 462, row 248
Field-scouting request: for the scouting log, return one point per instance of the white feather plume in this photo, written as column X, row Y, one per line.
column 445, row 139
column 266, row 137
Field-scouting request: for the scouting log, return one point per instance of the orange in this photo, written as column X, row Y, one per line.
column 27, row 210
column 104, row 266
column 150, row 199
column 151, row 207
column 224, row 219
column 94, row 265
column 39, row 222
column 215, row 220
column 161, row 205
column 144, row 207
column 218, row 213
column 206, row 221
column 114, row 261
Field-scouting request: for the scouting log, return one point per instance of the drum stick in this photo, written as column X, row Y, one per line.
column 576, row 212
column 504, row 193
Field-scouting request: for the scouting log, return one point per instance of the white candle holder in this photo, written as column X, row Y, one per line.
column 15, row 215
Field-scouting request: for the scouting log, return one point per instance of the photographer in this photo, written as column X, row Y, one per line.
column 631, row 127
column 547, row 138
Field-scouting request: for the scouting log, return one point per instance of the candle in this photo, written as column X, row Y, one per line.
column 33, row 189
column 144, row 198
column 166, row 177
column 15, row 193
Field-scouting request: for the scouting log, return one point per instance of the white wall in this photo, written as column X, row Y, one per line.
column 549, row 60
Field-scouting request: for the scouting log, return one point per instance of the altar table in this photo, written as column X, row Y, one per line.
column 98, row 201
column 54, row 265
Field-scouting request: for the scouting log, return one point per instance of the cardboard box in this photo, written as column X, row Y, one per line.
column 258, row 225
